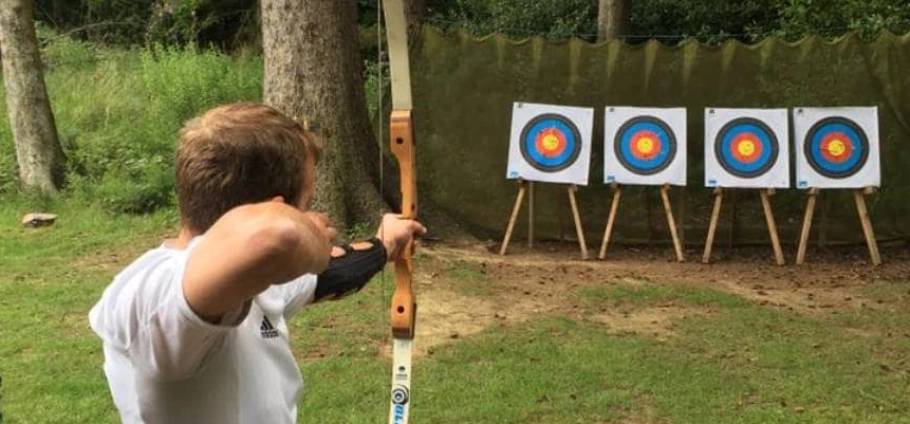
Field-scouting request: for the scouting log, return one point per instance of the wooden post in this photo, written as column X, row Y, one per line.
column 867, row 225
column 733, row 202
column 681, row 213
column 650, row 218
column 665, row 195
column 614, row 207
column 712, row 227
column 823, row 220
column 772, row 226
column 807, row 226
column 559, row 219
column 530, row 214
column 581, row 234
column 514, row 217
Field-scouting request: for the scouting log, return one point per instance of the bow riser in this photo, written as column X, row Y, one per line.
column 402, row 146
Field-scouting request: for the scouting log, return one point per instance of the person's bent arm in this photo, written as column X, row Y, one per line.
column 249, row 249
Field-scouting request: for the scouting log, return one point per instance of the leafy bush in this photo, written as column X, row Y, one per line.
column 671, row 21
column 554, row 19
column 118, row 116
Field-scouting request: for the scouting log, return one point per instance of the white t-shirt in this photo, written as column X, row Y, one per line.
column 166, row 365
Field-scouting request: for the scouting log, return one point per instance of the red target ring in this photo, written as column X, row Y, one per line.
column 836, row 147
column 645, row 145
column 746, row 148
column 550, row 142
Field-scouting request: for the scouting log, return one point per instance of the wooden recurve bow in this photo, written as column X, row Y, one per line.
column 404, row 305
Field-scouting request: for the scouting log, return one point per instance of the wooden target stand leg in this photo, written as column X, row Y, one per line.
column 668, row 210
column 807, row 226
column 530, row 214
column 671, row 223
column 515, row 209
column 617, row 195
column 865, row 221
column 769, row 219
column 529, row 187
column 772, row 226
column 712, row 227
column 577, row 217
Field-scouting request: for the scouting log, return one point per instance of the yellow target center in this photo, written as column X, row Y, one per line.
column 746, row 148
column 550, row 142
column 645, row 145
column 837, row 147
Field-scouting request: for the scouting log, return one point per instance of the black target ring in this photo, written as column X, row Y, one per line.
column 729, row 133
column 662, row 133
column 852, row 132
column 571, row 136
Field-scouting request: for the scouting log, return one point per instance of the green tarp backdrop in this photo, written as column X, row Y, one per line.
column 464, row 88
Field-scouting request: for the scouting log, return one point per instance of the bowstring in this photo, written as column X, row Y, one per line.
column 380, row 113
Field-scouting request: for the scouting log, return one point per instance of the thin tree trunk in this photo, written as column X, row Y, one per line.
column 38, row 152
column 611, row 19
column 313, row 72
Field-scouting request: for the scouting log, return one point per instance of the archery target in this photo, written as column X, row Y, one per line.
column 837, row 147
column 645, row 146
column 550, row 143
column 746, row 148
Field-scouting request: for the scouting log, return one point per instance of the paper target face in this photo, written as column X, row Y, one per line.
column 837, row 148
column 645, row 146
column 550, row 143
column 747, row 148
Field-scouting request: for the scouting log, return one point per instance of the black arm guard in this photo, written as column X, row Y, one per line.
column 351, row 271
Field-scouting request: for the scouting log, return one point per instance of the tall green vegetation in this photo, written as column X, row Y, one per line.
column 118, row 112
column 223, row 23
column 233, row 24
column 674, row 20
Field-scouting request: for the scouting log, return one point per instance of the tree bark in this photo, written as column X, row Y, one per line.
column 313, row 72
column 612, row 22
column 38, row 151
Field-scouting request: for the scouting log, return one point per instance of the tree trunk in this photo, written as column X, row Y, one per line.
column 38, row 152
column 313, row 72
column 611, row 19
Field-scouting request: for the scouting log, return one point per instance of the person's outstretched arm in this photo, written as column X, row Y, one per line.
column 249, row 249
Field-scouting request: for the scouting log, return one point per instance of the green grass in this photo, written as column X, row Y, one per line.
column 49, row 278
column 741, row 363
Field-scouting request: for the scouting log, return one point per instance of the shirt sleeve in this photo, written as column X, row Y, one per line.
column 298, row 293
column 145, row 313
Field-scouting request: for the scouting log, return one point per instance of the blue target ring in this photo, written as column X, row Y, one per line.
column 746, row 147
column 660, row 142
column 559, row 158
column 836, row 147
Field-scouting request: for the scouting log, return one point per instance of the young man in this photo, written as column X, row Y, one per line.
column 195, row 331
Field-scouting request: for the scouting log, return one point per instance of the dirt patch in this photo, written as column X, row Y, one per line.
column 526, row 284
column 444, row 315
column 657, row 322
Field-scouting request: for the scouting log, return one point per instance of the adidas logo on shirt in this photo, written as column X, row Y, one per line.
column 267, row 330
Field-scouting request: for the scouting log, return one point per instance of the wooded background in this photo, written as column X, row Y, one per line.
column 465, row 87
column 124, row 74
